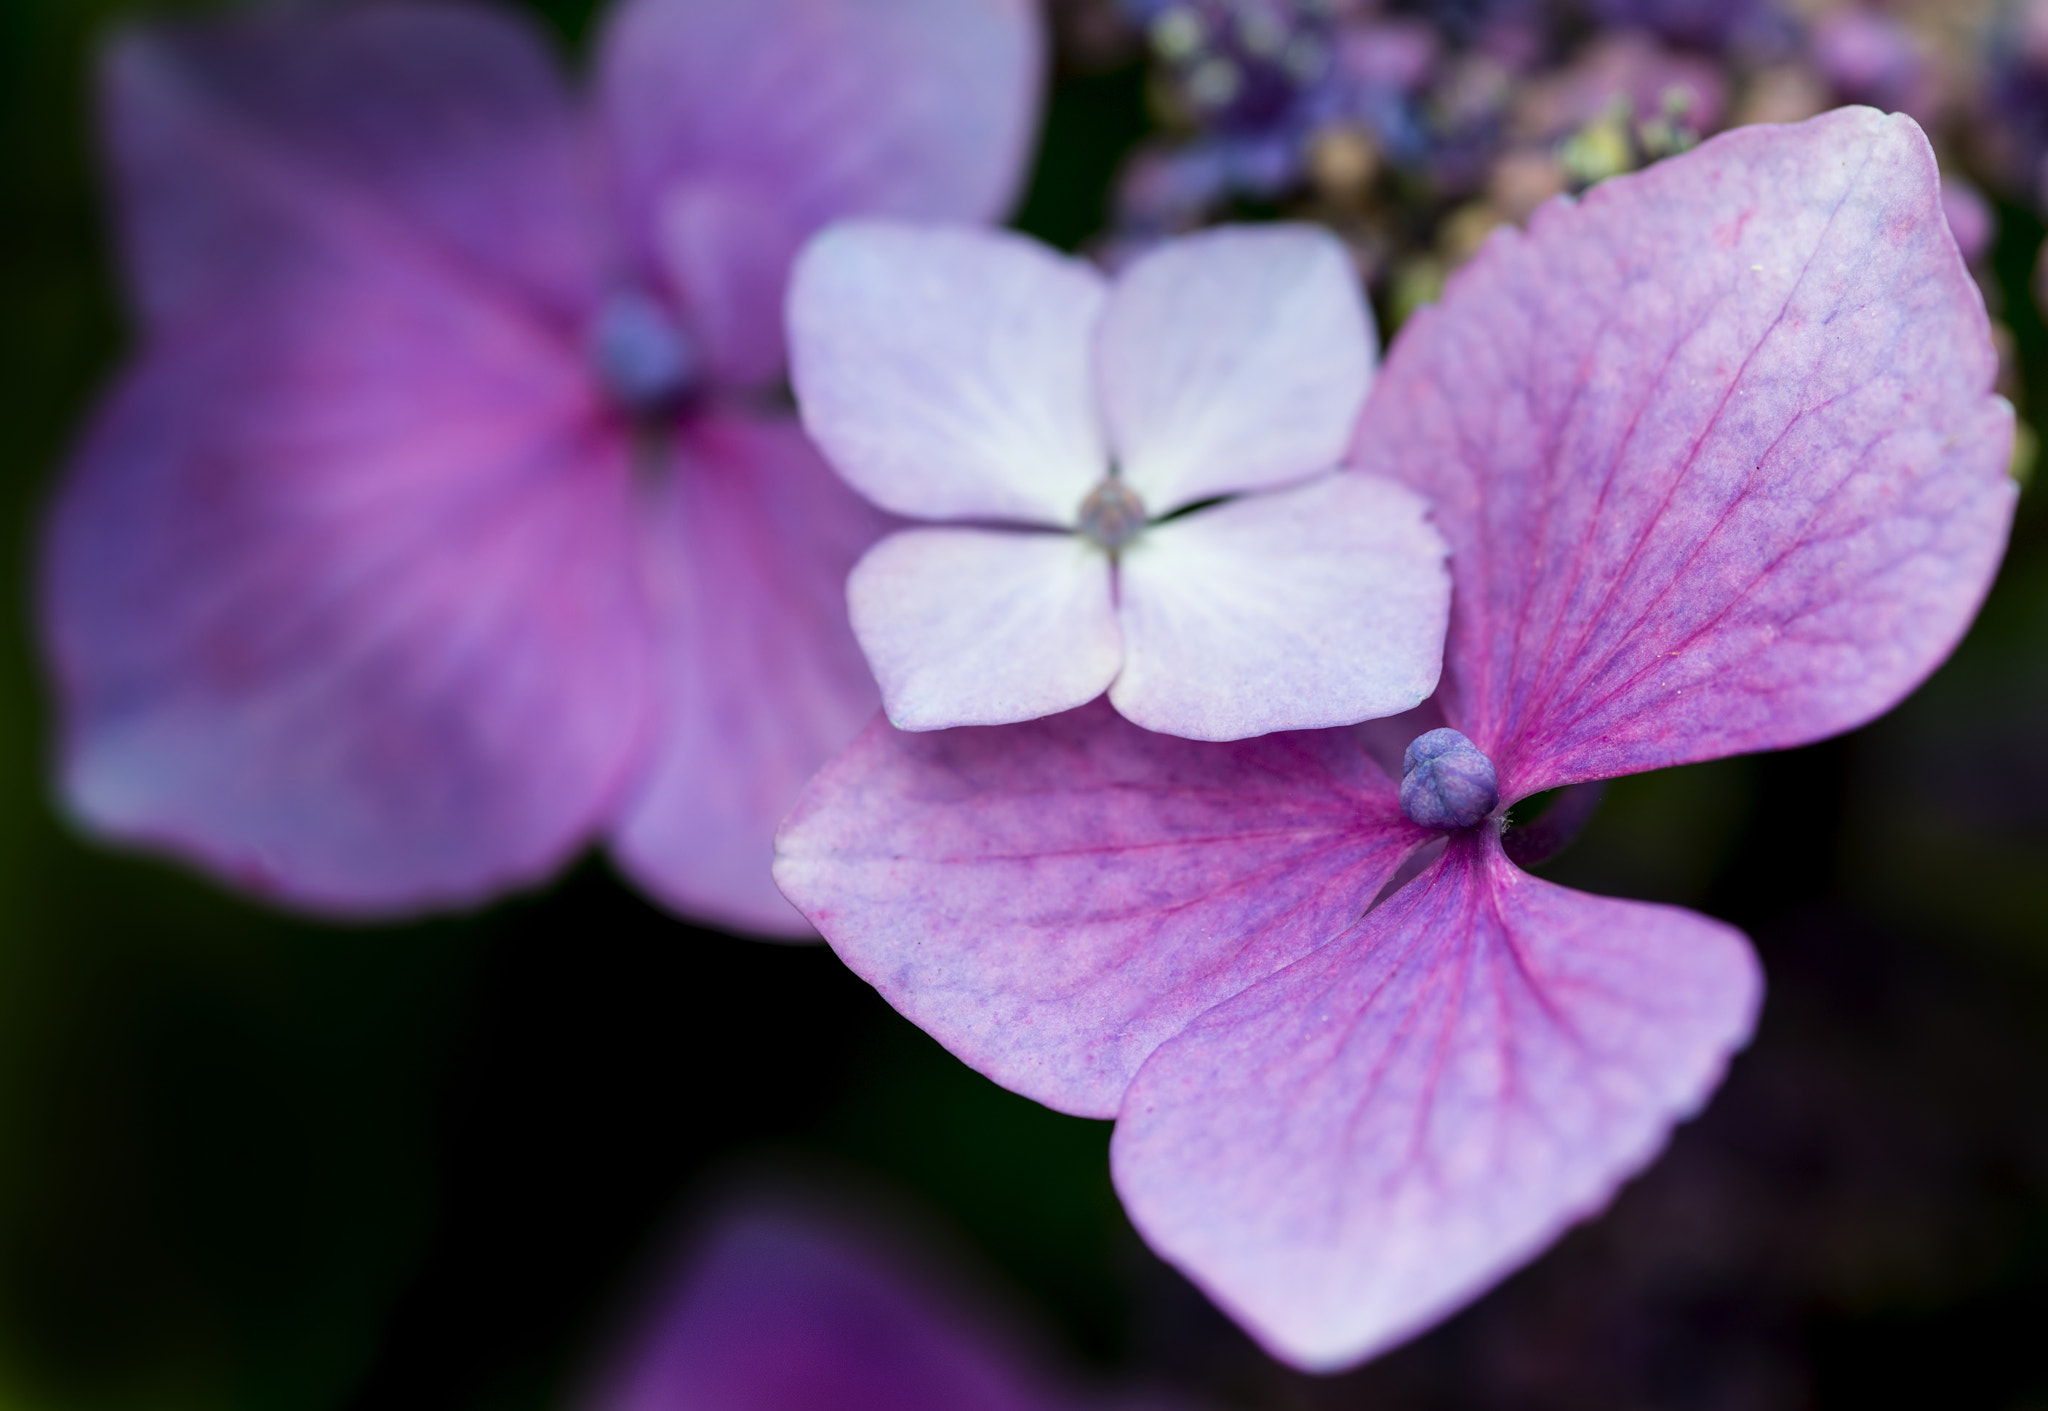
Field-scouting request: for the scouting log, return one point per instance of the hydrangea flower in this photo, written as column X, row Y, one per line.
column 1721, row 469
column 785, row 1308
column 439, row 525
column 975, row 376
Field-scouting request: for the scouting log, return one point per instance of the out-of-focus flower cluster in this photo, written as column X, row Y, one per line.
column 1414, row 129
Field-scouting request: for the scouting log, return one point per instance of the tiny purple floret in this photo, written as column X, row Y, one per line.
column 1446, row 782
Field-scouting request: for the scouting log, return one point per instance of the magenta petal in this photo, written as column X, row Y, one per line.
column 342, row 602
column 1052, row 900
column 434, row 134
column 1716, row 451
column 1362, row 1142
column 785, row 1311
column 748, row 551
column 739, row 127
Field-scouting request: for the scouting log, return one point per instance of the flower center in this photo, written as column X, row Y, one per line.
column 1112, row 514
column 1446, row 782
column 642, row 355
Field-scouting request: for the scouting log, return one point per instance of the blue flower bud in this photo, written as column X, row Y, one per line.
column 1446, row 782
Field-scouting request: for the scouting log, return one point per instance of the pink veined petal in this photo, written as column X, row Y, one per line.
column 341, row 601
column 945, row 371
column 749, row 545
column 739, row 127
column 1316, row 605
column 430, row 133
column 783, row 1310
column 1364, row 1141
column 1716, row 451
column 984, row 626
column 1232, row 360
column 1051, row 901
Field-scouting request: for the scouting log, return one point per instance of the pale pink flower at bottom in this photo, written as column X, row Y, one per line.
column 439, row 526
column 780, row 1306
column 1721, row 469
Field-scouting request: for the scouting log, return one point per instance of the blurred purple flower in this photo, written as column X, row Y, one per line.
column 966, row 375
column 782, row 1309
column 1757, row 30
column 439, row 524
column 1721, row 468
column 1630, row 72
column 1394, row 55
column 1971, row 218
column 1254, row 82
column 1872, row 58
column 1240, row 65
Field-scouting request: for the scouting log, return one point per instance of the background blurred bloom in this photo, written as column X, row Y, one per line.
column 1718, row 457
column 435, row 530
column 1432, row 124
column 956, row 375
column 781, row 1306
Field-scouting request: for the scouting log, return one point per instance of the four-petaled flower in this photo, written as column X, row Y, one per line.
column 437, row 527
column 969, row 375
column 1721, row 470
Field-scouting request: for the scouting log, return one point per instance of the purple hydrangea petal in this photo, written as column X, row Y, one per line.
column 435, row 134
column 739, row 127
column 748, row 548
column 945, row 371
column 1234, row 359
column 786, row 1310
column 1321, row 604
column 1051, row 901
column 1362, row 1142
column 984, row 626
column 342, row 602
column 1716, row 451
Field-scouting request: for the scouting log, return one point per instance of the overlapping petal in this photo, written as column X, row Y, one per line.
column 433, row 135
column 1367, row 1139
column 342, row 602
column 1234, row 359
column 1317, row 605
column 1053, row 900
column 946, row 371
column 1716, row 452
column 739, row 127
column 748, row 546
column 984, row 626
